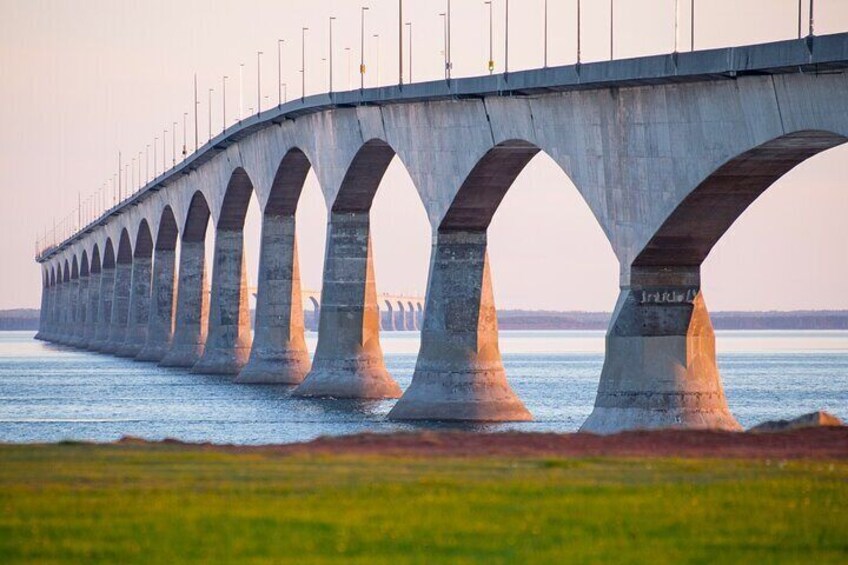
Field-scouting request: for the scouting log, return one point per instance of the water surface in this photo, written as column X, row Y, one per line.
column 52, row 393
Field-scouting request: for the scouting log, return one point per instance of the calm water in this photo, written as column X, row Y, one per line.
column 49, row 393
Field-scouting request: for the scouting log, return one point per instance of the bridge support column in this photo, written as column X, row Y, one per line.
column 104, row 310
column 279, row 352
column 42, row 313
column 660, row 366
column 459, row 374
column 71, row 312
column 91, row 310
column 228, row 343
column 192, row 308
column 160, row 320
column 348, row 359
column 139, row 308
column 120, row 308
column 81, row 312
column 387, row 318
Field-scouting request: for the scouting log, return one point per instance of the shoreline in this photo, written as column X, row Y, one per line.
column 826, row 442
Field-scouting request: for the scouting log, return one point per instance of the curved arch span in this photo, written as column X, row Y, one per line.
column 691, row 231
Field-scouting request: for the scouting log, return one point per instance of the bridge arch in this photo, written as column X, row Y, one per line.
column 84, row 264
column 691, row 231
column 228, row 341
column 168, row 231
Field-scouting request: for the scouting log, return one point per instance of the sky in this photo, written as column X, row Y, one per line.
column 81, row 80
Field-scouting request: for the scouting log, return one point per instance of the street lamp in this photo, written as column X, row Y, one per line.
column 692, row 22
column 331, row 53
column 546, row 34
column 185, row 149
column 347, row 52
column 303, row 63
column 280, row 70
column 377, row 37
column 259, row 82
column 211, row 90
column 578, row 32
column 147, row 163
column 241, row 91
column 224, row 103
column 491, row 54
column 612, row 28
column 173, row 145
column 362, row 48
column 445, row 47
column 409, row 24
column 506, row 38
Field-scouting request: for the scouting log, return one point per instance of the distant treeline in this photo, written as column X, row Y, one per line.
column 27, row 319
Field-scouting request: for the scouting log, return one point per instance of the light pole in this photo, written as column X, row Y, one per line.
column 506, row 39
column 210, row 113
column 612, row 27
column 155, row 161
column 224, row 103
column 347, row 52
column 303, row 63
column 377, row 37
column 400, row 42
column 259, row 82
column 692, row 22
column 173, row 144
column 677, row 18
column 241, row 91
column 812, row 21
column 362, row 48
column 331, row 53
column 164, row 137
column 546, row 34
column 445, row 47
column 280, row 71
column 196, row 103
column 491, row 45
column 147, row 163
column 185, row 149
column 409, row 24
column 578, row 32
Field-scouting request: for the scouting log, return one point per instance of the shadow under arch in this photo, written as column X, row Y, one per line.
column 139, row 297
column 278, row 354
column 121, row 294
column 192, row 309
column 348, row 361
column 92, row 301
column 228, row 340
column 694, row 227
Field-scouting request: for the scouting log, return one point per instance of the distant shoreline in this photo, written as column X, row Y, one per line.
column 27, row 319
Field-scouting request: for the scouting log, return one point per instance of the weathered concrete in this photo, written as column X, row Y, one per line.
column 191, row 318
column 139, row 308
column 660, row 368
column 348, row 360
column 160, row 327
column 120, row 308
column 42, row 312
column 82, row 312
column 228, row 342
column 387, row 316
column 459, row 374
column 92, row 309
column 61, row 311
column 279, row 354
column 72, row 311
column 104, row 310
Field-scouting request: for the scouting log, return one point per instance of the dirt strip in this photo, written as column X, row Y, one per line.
column 809, row 443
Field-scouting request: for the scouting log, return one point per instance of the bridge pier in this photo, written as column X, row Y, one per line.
column 660, row 366
column 160, row 319
column 228, row 342
column 104, row 311
column 92, row 307
column 279, row 354
column 120, row 308
column 139, row 308
column 459, row 374
column 192, row 308
column 387, row 318
column 69, row 337
column 348, row 360
column 81, row 311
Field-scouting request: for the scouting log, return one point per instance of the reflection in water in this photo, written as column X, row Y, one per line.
column 50, row 393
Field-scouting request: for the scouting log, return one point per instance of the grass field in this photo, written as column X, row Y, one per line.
column 168, row 504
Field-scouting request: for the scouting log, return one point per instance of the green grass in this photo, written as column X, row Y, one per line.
column 167, row 504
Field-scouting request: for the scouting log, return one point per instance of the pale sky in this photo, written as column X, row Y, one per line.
column 80, row 80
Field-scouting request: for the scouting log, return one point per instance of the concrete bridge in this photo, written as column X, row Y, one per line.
column 666, row 150
column 397, row 312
